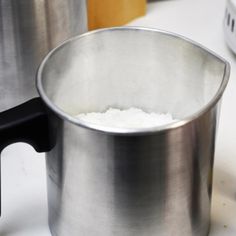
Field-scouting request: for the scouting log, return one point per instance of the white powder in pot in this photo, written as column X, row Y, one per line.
column 129, row 118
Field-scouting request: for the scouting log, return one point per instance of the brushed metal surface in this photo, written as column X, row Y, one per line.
column 28, row 30
column 104, row 181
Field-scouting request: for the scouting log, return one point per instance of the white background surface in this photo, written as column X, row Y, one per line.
column 24, row 211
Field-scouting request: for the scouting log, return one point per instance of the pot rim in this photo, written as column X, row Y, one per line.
column 131, row 131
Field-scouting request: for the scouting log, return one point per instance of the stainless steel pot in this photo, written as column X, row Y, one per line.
column 105, row 181
column 28, row 30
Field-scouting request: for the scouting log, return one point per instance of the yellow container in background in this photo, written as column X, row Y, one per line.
column 108, row 13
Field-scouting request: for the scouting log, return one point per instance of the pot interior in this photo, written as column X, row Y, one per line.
column 130, row 67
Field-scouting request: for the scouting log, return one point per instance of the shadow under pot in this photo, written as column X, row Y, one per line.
column 111, row 181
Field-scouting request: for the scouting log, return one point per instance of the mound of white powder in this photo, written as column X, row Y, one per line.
column 130, row 118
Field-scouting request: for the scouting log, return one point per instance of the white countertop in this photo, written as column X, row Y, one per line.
column 24, row 210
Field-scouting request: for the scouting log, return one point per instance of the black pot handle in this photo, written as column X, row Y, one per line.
column 28, row 122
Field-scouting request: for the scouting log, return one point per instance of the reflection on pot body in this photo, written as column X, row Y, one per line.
column 111, row 181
